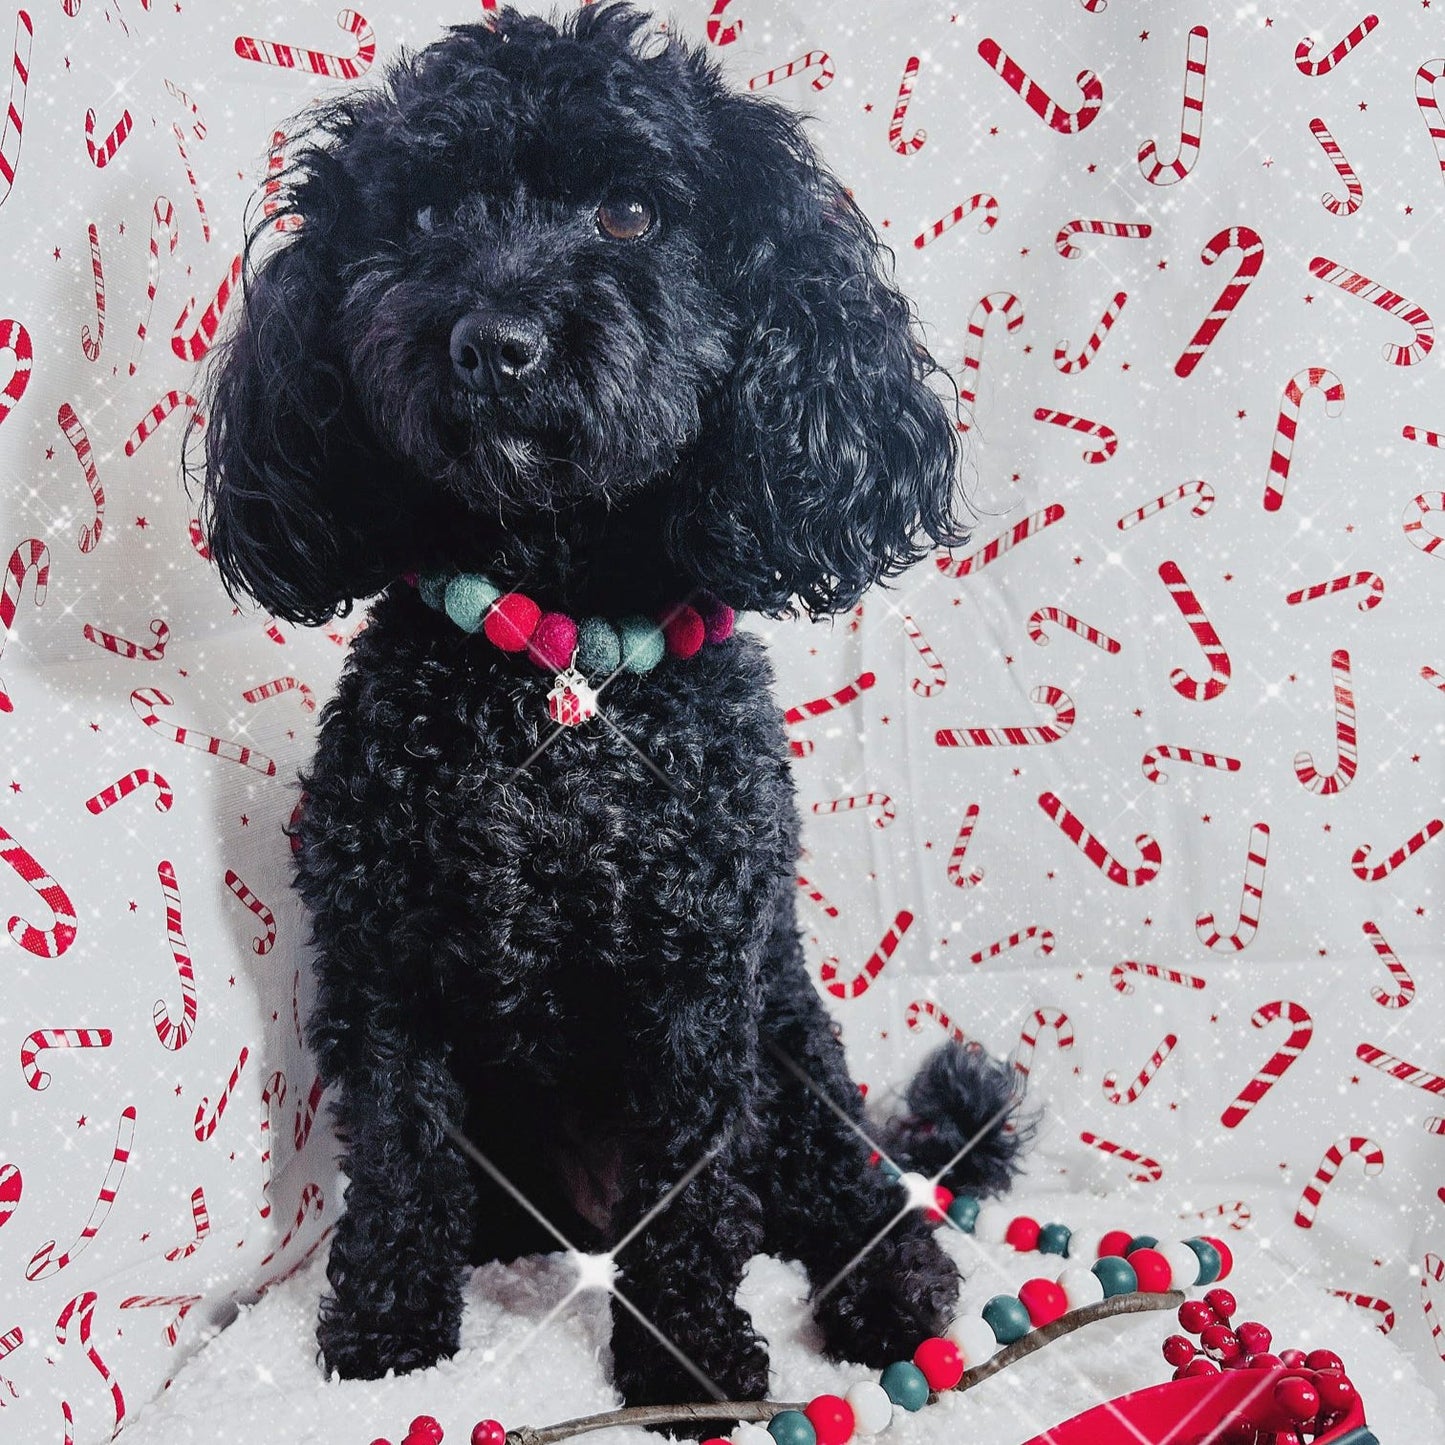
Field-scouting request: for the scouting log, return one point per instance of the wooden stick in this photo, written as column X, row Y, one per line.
column 1123, row 1304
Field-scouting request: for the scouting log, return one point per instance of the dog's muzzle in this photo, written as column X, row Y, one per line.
column 492, row 350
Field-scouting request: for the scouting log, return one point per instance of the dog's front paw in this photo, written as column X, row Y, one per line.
column 366, row 1351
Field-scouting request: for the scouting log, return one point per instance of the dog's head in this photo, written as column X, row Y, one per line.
column 551, row 271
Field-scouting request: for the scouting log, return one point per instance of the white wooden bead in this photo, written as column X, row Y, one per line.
column 872, row 1409
column 920, row 1189
column 1084, row 1246
column 751, row 1434
column 993, row 1221
column 974, row 1338
column 1080, row 1286
column 1183, row 1263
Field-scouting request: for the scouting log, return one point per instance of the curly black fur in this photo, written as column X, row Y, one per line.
column 582, row 953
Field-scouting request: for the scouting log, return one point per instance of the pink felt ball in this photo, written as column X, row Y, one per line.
column 510, row 622
column 831, row 1417
column 719, row 622
column 940, row 1361
column 488, row 1432
column 1152, row 1269
column 553, row 641
column 684, row 632
column 425, row 1428
column 1022, row 1233
column 1115, row 1242
column 1044, row 1300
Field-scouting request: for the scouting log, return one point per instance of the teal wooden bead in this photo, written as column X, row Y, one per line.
column 1209, row 1260
column 643, row 644
column 964, row 1212
column 1140, row 1241
column 905, row 1384
column 1007, row 1317
column 467, row 599
column 1116, row 1275
column 433, row 587
column 890, row 1169
column 1054, row 1239
column 792, row 1427
column 599, row 649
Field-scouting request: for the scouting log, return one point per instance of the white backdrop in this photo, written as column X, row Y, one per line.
column 138, row 1134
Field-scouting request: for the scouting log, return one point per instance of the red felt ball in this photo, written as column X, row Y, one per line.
column 511, row 620
column 1336, row 1392
column 831, row 1417
column 1324, row 1360
column 1153, row 1270
column 718, row 617
column 684, row 632
column 1195, row 1316
column 488, row 1432
column 1254, row 1336
column 1222, row 1303
column 1115, row 1242
column 942, row 1198
column 1178, row 1351
column 553, row 641
column 1221, row 1342
column 1199, row 1366
column 1022, row 1233
column 1226, row 1259
column 1044, row 1300
column 1297, row 1397
column 940, row 1361
column 426, row 1427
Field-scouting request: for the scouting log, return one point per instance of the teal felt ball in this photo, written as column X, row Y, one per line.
column 643, row 644
column 1054, row 1239
column 433, row 588
column 467, row 599
column 964, row 1212
column 792, row 1427
column 1139, row 1241
column 1116, row 1275
column 1209, row 1260
column 1007, row 1317
column 599, row 650
column 905, row 1384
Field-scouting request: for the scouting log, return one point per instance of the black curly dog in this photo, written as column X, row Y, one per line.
column 563, row 310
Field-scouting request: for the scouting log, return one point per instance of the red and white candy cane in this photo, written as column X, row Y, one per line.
column 1412, row 845
column 1413, row 316
column 198, row 541
column 206, row 1122
column 1204, row 634
column 306, row 1114
column 1064, row 241
column 15, row 111
column 925, row 1008
column 1435, row 1125
column 859, row 983
column 1301, row 1031
column 32, row 555
column 318, row 62
column 1305, row 49
column 896, row 139
column 145, row 701
column 1150, row 761
column 1145, row 1170
column 1068, row 122
column 171, row 1034
column 717, row 32
column 1355, row 192
column 198, row 126
column 1410, row 433
column 1108, row 438
column 1235, row 1214
column 42, row 942
column 195, row 184
column 312, row 1199
column 75, row 434
column 1357, row 1146
column 1404, row 984
column 1381, row 1307
column 42, row 1039
column 14, row 337
column 163, row 218
column 1201, row 491
column 1346, row 740
column 123, row 647
column 262, row 943
column 956, row 875
column 1247, row 241
column 1031, row 526
column 1070, row 365
column 277, row 686
column 101, row 155
column 1007, row 304
column 1073, row 829
column 1251, row 901
column 982, row 201
column 1426, row 79
column 275, row 164
column 1120, row 976
column 1042, row 1020
column 1314, row 378
column 1069, row 623
column 1434, row 1269
column 818, row 60
column 1415, row 529
column 1054, row 698
column 201, row 1217
column 816, row 895
column 1045, row 937
column 156, row 415
column 181, row 1303
column 850, row 692
column 273, row 1091
column 1191, row 125
column 1117, row 1095
column 1401, row 1069
column 89, row 344
column 194, row 346
column 938, row 674
column 84, row 1305
column 124, row 787
column 1372, row 580
column 45, row 1262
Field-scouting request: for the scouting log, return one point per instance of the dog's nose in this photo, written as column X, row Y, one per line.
column 489, row 349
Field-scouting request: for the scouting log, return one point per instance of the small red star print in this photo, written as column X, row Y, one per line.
column 1409, row 210
column 1163, row 265
column 1214, row 1018
column 1350, row 527
column 178, row 1091
column 232, row 1157
column 883, row 720
column 1018, row 772
column 49, row 453
column 1292, row 677
column 1364, row 105
column 142, row 523
column 886, row 223
column 1309, row 300
column 1078, row 978
column 181, row 671
column 122, row 228
column 993, row 130
column 1268, row 24
column 95, row 727
column 1415, row 757
column 1143, row 35
column 274, row 1016
column 1240, row 414
column 1024, row 252
column 132, row 907
column 1173, row 1107
column 1419, row 913
column 1050, row 875
column 1091, row 168
column 869, row 106
column 1138, row 712
column 1354, row 1078
column 1205, row 818
column 1008, row 661
column 1124, row 365
column 927, row 844
column 958, row 601
column 245, row 821
column 1268, row 162
column 1148, row 923
column 80, row 1122
column 1078, row 561
column 56, row 253
column 1229, row 576
column 1329, row 827
column 1284, row 1166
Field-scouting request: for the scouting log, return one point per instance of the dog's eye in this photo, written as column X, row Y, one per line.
column 423, row 219
column 624, row 218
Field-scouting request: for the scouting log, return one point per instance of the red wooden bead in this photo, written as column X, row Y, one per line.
column 1221, row 1302
column 831, row 1417
column 940, row 1361
column 684, row 632
column 1044, row 1300
column 488, row 1432
column 1153, row 1270
column 1226, row 1259
column 511, row 620
column 942, row 1198
column 718, row 1440
column 1022, row 1233
column 1324, row 1360
column 1297, row 1397
column 426, row 1427
column 1195, row 1316
column 1178, row 1350
column 1115, row 1242
column 553, row 641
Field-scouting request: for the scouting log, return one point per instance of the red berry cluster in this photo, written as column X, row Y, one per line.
column 427, row 1430
column 1310, row 1392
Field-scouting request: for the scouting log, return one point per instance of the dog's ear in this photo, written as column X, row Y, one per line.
column 827, row 462
column 293, row 508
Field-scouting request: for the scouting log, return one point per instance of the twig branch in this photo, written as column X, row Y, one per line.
column 760, row 1410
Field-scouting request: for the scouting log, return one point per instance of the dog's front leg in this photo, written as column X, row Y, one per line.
column 399, row 1253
